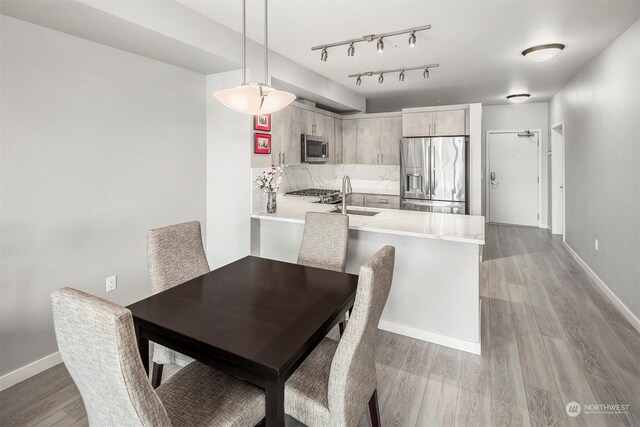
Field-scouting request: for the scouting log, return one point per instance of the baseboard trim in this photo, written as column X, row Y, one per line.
column 623, row 309
column 27, row 371
column 432, row 337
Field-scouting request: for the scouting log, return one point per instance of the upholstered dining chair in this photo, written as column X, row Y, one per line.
column 175, row 254
column 335, row 382
column 97, row 342
column 324, row 241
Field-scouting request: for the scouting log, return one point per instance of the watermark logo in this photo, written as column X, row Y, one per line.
column 573, row 409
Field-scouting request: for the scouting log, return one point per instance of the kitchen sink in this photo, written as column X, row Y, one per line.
column 356, row 212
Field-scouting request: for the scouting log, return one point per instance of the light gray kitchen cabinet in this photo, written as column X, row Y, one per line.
column 390, row 134
column 279, row 122
column 368, row 141
column 291, row 131
column 325, row 127
column 306, row 121
column 349, row 143
column 417, row 124
column 337, row 153
column 450, row 122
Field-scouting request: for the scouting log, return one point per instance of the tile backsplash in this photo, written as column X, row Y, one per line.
column 380, row 179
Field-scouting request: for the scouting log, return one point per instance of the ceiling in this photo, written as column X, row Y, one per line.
column 477, row 43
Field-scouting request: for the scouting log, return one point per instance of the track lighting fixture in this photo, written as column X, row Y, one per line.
column 351, row 51
column 425, row 73
column 412, row 39
column 401, row 76
column 369, row 38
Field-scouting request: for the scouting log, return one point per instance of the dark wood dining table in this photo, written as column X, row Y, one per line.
column 256, row 319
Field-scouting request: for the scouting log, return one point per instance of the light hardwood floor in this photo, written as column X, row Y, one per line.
column 549, row 337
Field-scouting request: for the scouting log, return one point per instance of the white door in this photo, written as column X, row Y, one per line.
column 513, row 178
column 557, row 179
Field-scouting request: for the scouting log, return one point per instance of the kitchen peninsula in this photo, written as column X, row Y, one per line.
column 435, row 294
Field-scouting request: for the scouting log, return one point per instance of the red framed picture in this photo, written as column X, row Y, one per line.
column 262, row 143
column 262, row 122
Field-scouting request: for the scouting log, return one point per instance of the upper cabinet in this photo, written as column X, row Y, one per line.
column 368, row 141
column 390, row 134
column 324, row 126
column 337, row 154
column 452, row 122
column 349, row 141
column 435, row 123
column 417, row 124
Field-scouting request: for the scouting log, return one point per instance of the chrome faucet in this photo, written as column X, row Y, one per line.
column 346, row 190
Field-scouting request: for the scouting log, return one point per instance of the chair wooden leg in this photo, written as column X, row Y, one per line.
column 374, row 410
column 156, row 375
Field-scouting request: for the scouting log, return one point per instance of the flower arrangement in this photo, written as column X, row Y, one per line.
column 269, row 181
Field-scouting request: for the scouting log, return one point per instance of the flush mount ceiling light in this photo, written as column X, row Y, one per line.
column 381, row 73
column 543, row 52
column 369, row 38
column 518, row 97
column 250, row 97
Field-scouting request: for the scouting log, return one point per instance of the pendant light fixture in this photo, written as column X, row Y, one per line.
column 250, row 97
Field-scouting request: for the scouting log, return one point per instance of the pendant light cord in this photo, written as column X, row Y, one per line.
column 244, row 41
column 266, row 43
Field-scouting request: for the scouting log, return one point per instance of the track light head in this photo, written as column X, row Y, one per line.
column 381, row 79
column 401, row 76
column 380, row 45
column 324, row 54
column 425, row 74
column 358, row 81
column 352, row 50
column 412, row 39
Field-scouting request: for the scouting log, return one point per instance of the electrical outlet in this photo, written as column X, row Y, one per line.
column 112, row 283
column 595, row 244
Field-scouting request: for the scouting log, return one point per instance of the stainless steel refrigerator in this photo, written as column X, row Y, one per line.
column 433, row 174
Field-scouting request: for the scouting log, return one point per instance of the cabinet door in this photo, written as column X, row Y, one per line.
column 417, row 124
column 279, row 121
column 368, row 141
column 390, row 134
column 324, row 126
column 349, row 150
column 307, row 122
column 337, row 150
column 291, row 136
column 449, row 122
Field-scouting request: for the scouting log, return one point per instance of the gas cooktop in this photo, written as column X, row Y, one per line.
column 313, row 192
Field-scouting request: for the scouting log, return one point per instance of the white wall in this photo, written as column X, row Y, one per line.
column 600, row 108
column 519, row 117
column 229, row 148
column 98, row 146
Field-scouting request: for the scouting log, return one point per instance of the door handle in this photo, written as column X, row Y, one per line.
column 492, row 176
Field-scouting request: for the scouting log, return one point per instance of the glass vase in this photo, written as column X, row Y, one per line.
column 271, row 202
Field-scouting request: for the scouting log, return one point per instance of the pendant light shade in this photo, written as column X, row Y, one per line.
column 254, row 98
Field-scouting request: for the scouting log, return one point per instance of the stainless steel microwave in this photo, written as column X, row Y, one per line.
column 314, row 149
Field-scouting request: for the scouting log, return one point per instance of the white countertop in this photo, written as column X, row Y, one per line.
column 428, row 225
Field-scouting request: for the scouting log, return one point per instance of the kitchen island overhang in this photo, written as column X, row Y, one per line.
column 435, row 295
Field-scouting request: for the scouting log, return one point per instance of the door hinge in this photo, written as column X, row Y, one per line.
column 538, row 216
column 538, row 179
